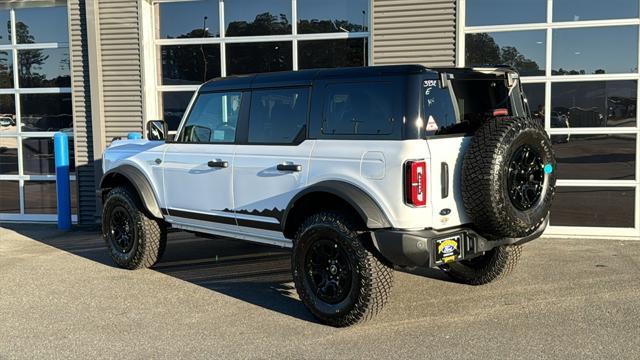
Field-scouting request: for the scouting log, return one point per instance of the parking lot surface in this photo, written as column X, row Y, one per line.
column 62, row 297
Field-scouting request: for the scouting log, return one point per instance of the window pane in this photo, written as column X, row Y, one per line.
column 208, row 120
column 326, row 16
column 576, row 10
column 574, row 206
column 250, row 17
column 500, row 12
column 193, row 19
column 438, row 107
column 46, row 112
column 524, row 50
column 593, row 104
column 10, row 197
column 259, row 57
column 595, row 157
column 189, row 64
column 6, row 69
column 44, row 68
column 332, row 53
column 8, row 155
column 174, row 104
column 535, row 99
column 39, row 157
column 7, row 114
column 41, row 25
column 278, row 116
column 593, row 51
column 358, row 109
column 5, row 27
column 40, row 197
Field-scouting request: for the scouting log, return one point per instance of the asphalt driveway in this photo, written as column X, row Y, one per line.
column 61, row 297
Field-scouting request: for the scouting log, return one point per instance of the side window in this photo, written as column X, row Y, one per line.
column 278, row 116
column 213, row 119
column 358, row 109
column 439, row 111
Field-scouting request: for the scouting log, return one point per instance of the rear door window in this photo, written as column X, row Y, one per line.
column 278, row 116
column 358, row 109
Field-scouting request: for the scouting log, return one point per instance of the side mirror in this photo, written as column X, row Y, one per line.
column 157, row 130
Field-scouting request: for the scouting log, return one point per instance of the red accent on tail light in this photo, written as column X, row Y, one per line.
column 416, row 183
column 500, row 112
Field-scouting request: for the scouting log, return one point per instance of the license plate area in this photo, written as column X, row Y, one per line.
column 448, row 249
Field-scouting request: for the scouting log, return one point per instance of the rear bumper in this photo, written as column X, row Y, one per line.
column 416, row 248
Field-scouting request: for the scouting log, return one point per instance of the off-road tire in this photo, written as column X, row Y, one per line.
column 493, row 266
column 372, row 277
column 150, row 234
column 485, row 172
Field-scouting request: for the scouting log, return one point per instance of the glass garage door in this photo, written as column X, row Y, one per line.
column 35, row 102
column 579, row 62
column 200, row 40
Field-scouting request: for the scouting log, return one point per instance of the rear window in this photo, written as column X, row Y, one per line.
column 439, row 109
column 358, row 109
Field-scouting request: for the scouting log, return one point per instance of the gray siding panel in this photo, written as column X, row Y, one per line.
column 414, row 32
column 82, row 111
column 121, row 67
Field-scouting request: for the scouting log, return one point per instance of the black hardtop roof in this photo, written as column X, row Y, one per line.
column 306, row 77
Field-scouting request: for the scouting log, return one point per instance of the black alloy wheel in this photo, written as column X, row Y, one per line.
column 328, row 271
column 525, row 180
column 121, row 229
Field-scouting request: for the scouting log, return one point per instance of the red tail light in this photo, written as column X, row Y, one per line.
column 416, row 183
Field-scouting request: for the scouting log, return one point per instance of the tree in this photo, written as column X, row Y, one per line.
column 483, row 50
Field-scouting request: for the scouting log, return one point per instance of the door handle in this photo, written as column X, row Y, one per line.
column 218, row 164
column 289, row 167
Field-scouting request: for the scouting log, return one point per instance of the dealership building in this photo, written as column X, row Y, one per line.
column 99, row 69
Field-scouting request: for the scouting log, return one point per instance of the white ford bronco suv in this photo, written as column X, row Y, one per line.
column 356, row 169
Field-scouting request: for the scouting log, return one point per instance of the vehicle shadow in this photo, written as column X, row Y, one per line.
column 257, row 274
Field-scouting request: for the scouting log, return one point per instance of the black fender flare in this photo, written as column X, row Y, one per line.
column 369, row 211
column 140, row 183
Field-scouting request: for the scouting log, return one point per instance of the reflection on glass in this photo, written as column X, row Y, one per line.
column 7, row 114
column 192, row 19
column 326, row 16
column 38, row 157
column 189, row 64
column 213, row 118
column 595, row 157
column 524, row 50
column 44, row 68
column 250, row 17
column 8, row 155
column 6, row 69
column 259, row 57
column 9, row 197
column 5, row 27
column 40, row 197
column 577, row 10
column 332, row 53
column 501, row 12
column 174, row 104
column 593, row 104
column 535, row 99
column 601, row 50
column 41, row 25
column 574, row 206
column 46, row 112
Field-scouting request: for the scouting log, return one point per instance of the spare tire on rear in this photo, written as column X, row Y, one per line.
column 508, row 177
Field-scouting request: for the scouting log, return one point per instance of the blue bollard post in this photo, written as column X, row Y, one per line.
column 134, row 136
column 63, row 191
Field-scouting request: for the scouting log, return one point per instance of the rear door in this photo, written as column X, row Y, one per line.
column 272, row 163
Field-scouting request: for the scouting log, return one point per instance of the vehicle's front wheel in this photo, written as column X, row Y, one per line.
column 494, row 265
column 134, row 240
column 337, row 276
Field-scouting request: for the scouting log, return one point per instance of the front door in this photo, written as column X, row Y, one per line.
column 272, row 166
column 198, row 166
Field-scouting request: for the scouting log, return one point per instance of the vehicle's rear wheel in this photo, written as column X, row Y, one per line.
column 337, row 276
column 133, row 239
column 494, row 265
